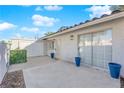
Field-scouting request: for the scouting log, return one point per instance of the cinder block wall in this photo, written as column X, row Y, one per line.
column 3, row 60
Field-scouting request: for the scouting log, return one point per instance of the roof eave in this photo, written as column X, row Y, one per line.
column 101, row 20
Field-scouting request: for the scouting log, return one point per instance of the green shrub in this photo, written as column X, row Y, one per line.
column 18, row 56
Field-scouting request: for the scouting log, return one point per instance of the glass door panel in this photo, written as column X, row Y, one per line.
column 85, row 49
column 102, row 48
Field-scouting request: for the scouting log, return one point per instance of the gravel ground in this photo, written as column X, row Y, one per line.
column 122, row 81
column 13, row 80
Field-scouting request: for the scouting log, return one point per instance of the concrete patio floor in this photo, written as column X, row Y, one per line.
column 43, row 72
column 31, row 62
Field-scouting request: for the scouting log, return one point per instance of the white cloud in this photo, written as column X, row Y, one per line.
column 6, row 26
column 33, row 29
column 53, row 8
column 39, row 20
column 97, row 11
column 38, row 8
column 18, row 35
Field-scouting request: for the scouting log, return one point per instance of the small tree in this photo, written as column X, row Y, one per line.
column 117, row 7
column 62, row 28
column 48, row 33
column 2, row 41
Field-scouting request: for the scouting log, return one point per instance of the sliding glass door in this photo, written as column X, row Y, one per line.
column 96, row 48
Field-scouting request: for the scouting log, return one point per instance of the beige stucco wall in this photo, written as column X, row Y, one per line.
column 21, row 43
column 67, row 49
column 118, row 43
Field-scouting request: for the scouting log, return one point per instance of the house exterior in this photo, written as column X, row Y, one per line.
column 98, row 42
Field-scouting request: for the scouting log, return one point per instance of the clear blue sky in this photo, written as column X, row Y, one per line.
column 28, row 21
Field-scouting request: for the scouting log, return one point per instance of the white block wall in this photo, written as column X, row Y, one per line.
column 3, row 60
column 35, row 49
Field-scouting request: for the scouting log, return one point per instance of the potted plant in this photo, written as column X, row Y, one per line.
column 52, row 55
column 77, row 61
column 114, row 70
